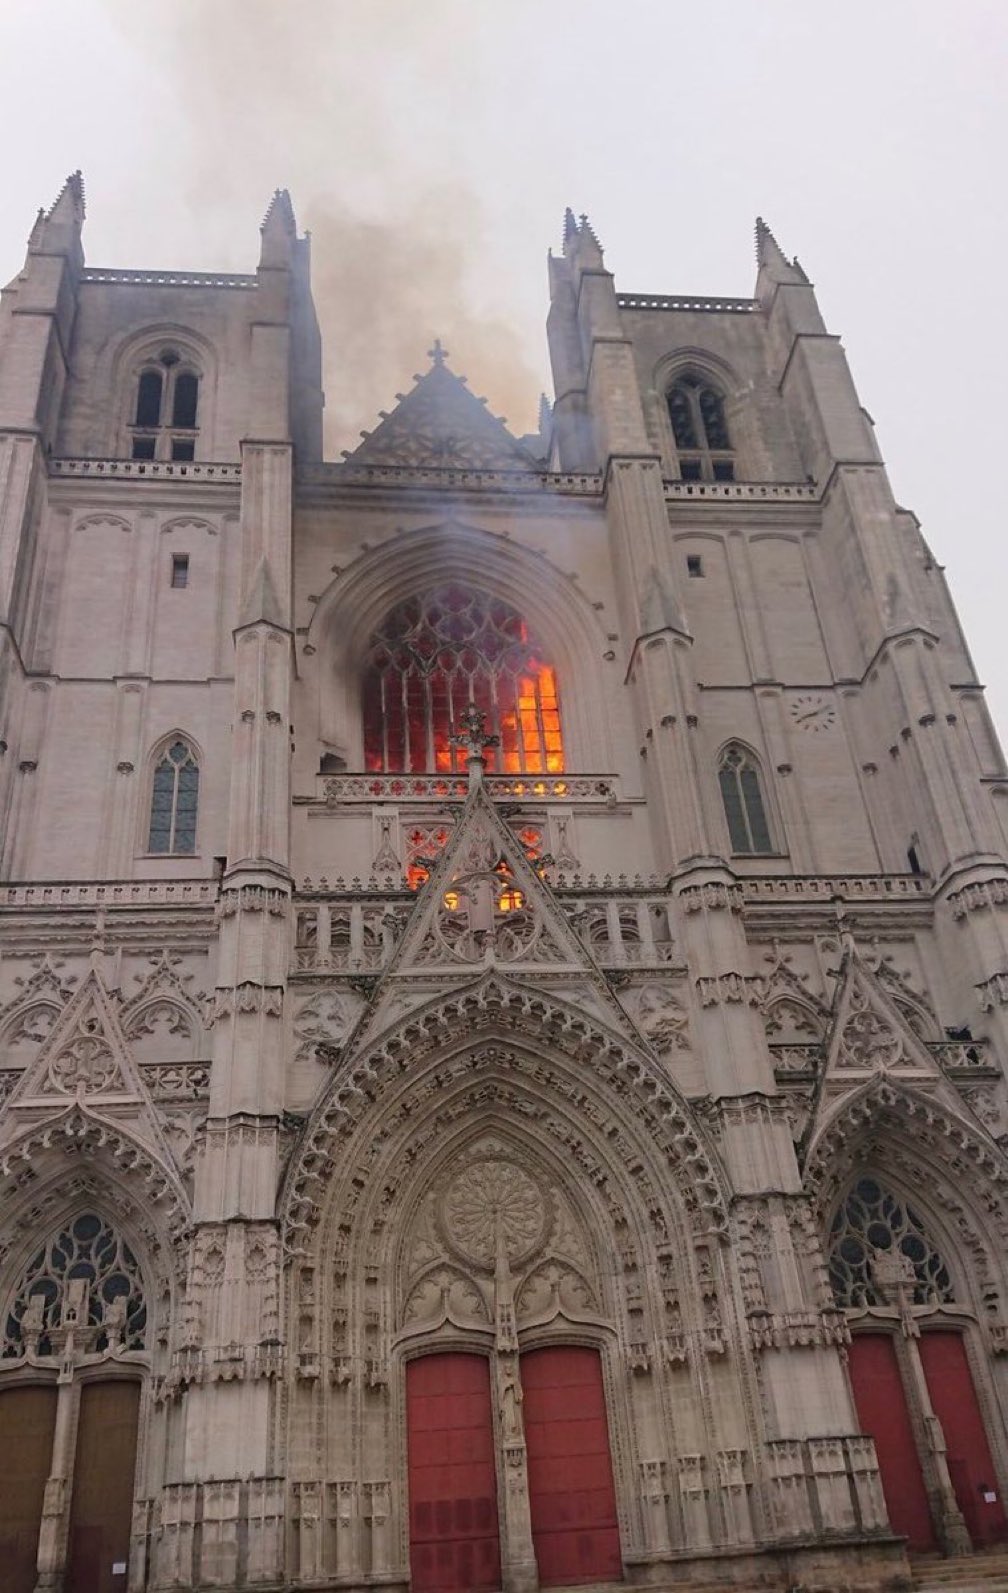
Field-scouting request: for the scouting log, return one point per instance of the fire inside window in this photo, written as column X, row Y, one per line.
column 434, row 655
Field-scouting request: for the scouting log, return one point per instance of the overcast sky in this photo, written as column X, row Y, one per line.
column 431, row 146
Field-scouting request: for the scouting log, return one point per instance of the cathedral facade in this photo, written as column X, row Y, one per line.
column 503, row 960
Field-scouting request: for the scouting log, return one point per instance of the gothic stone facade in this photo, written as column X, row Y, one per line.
column 429, row 1163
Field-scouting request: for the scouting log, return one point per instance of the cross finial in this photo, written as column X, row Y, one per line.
column 473, row 738
column 437, row 353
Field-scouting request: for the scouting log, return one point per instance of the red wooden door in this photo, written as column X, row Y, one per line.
column 101, row 1507
column 946, row 1369
column 882, row 1412
column 454, row 1538
column 571, row 1494
column 27, row 1423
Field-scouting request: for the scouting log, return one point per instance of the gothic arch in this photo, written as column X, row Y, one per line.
column 35, row 1165
column 583, row 1130
column 356, row 601
column 954, row 1175
column 598, row 1075
column 123, row 355
column 700, row 362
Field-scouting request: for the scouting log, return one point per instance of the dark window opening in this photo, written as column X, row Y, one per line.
column 166, row 396
column 148, row 406
column 174, row 802
column 694, row 564
column 742, row 795
column 700, row 432
column 185, row 399
column 913, row 859
column 332, row 763
column 180, row 569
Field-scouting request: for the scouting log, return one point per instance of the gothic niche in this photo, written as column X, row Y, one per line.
column 85, row 1277
column 487, row 1220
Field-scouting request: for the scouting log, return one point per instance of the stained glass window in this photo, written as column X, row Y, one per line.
column 742, row 796
column 435, row 654
column 873, row 1222
column 87, row 1248
column 174, row 801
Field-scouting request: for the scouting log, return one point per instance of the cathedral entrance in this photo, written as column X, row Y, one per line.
column 571, row 1495
column 102, row 1504
column 883, row 1412
column 950, row 1386
column 453, row 1525
column 910, row 1375
column 27, row 1424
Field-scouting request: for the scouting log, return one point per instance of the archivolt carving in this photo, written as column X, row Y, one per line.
column 80, row 1134
column 948, row 1165
column 492, row 1204
column 561, row 1056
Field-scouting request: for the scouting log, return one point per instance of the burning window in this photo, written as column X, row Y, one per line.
column 434, row 655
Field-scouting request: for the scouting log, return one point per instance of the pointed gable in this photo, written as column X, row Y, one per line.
column 441, row 425
column 870, row 1039
column 485, row 911
column 85, row 1064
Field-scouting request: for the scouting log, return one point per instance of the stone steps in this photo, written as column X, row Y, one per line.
column 971, row 1573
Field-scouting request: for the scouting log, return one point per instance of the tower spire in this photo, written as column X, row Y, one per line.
column 771, row 258
column 279, row 231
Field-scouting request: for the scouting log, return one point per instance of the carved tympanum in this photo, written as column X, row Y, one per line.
column 491, row 1199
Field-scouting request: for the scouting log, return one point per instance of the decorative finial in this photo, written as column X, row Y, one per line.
column 473, row 738
column 437, row 355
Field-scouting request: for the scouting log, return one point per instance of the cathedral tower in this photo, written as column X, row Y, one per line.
column 503, row 959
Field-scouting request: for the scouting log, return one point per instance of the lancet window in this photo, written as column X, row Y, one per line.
column 174, row 801
column 874, row 1225
column 744, row 804
column 703, row 446
column 164, row 418
column 436, row 654
column 90, row 1254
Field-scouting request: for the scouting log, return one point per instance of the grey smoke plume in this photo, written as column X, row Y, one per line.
column 341, row 104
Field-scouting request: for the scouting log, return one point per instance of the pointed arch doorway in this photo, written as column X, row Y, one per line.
column 72, row 1359
column 913, row 1388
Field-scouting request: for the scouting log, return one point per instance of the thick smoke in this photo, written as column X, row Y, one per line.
column 342, row 104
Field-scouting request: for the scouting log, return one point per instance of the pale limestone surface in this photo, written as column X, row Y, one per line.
column 301, row 1090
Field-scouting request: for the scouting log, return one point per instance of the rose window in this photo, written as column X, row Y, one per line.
column 494, row 1198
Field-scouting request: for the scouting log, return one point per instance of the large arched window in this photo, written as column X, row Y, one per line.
column 744, row 805
column 703, row 446
column 90, row 1254
column 163, row 422
column 872, row 1227
column 174, row 800
column 433, row 656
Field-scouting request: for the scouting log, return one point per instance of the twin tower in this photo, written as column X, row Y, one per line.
column 503, row 960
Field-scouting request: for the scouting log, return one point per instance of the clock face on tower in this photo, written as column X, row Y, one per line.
column 811, row 711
